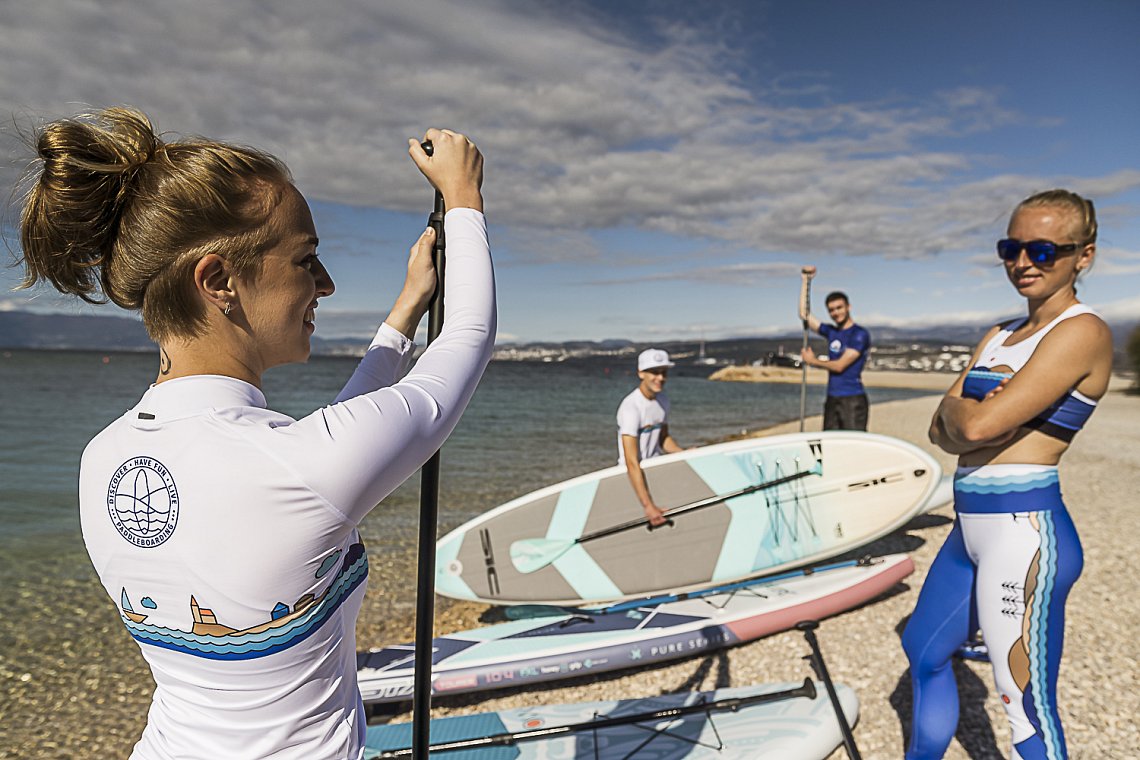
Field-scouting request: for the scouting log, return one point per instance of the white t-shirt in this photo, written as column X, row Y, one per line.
column 226, row 532
column 642, row 418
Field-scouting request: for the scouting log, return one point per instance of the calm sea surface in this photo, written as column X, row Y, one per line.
column 529, row 425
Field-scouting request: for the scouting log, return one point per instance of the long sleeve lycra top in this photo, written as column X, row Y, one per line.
column 226, row 533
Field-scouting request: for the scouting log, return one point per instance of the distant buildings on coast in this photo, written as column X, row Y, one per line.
column 909, row 357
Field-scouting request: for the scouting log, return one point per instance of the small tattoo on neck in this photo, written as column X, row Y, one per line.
column 164, row 363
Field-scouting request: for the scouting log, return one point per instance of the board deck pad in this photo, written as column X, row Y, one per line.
column 869, row 486
column 560, row 646
column 801, row 728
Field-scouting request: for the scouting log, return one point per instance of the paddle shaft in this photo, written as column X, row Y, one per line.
column 721, row 705
column 429, row 506
column 694, row 506
column 803, row 364
column 654, row 601
column 807, row 627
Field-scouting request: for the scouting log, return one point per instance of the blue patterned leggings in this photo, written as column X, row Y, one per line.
column 1014, row 554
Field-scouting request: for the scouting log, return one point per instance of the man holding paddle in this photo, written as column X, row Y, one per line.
column 847, row 347
column 643, row 429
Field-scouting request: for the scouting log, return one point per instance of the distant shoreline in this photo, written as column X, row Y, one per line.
column 937, row 382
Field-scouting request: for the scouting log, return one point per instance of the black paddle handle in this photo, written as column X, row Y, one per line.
column 699, row 504
column 435, row 221
column 807, row 690
column 429, row 507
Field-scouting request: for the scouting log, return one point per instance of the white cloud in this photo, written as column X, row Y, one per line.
column 746, row 274
column 583, row 127
column 1119, row 310
column 1115, row 261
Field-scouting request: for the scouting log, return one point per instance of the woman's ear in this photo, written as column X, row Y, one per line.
column 213, row 281
column 1086, row 257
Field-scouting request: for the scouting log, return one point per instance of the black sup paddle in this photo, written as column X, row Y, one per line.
column 807, row 628
column 806, row 274
column 727, row 704
column 429, row 506
column 531, row 554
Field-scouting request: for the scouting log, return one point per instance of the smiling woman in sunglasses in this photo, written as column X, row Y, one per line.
column 1013, row 554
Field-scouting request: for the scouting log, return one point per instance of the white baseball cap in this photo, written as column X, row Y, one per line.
column 653, row 357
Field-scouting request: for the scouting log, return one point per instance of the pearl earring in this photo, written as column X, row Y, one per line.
column 226, row 311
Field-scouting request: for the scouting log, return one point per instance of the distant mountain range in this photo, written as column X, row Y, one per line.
column 26, row 330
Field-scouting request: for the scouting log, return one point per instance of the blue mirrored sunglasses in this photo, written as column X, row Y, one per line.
column 1039, row 251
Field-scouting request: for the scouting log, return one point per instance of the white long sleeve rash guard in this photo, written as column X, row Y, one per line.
column 226, row 532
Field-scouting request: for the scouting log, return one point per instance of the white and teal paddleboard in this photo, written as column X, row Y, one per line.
column 553, row 643
column 738, row 510
column 726, row 724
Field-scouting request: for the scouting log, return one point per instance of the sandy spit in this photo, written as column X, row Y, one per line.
column 933, row 381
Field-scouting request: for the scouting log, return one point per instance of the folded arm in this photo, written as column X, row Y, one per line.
column 1064, row 358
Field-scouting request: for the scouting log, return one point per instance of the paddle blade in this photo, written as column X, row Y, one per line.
column 530, row 554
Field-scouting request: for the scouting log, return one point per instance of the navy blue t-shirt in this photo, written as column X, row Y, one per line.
column 849, row 382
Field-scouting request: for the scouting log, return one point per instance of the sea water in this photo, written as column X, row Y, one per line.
column 529, row 425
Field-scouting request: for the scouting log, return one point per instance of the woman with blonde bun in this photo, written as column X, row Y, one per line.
column 224, row 532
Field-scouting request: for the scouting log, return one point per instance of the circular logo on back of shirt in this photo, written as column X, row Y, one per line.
column 142, row 502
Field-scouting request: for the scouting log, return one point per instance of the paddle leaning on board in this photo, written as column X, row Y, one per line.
column 531, row 554
column 542, row 644
column 739, row 510
column 771, row 720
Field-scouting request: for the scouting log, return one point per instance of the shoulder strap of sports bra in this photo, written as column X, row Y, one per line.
column 1006, row 328
column 1033, row 340
column 1073, row 311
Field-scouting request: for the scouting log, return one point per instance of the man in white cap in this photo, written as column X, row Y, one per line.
column 643, row 429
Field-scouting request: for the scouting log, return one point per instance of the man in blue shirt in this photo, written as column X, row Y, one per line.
column 847, row 347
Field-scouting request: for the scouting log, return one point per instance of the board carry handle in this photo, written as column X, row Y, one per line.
column 531, row 554
column 806, row 690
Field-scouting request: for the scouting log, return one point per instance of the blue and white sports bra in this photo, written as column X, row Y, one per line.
column 1065, row 416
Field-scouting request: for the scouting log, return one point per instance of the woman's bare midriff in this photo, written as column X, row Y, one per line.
column 1027, row 447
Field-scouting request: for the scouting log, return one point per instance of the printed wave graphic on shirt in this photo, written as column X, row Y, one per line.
column 213, row 640
column 1006, row 483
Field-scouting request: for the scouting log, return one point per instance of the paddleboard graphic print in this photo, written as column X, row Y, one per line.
column 142, row 502
column 743, row 509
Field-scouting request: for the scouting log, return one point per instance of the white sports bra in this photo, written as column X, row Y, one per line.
column 1064, row 417
column 996, row 353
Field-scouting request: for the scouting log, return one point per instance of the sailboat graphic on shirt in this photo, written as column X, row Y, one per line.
column 212, row 639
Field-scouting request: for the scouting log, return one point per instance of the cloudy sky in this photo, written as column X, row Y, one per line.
column 654, row 170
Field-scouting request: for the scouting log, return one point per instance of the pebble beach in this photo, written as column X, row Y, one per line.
column 88, row 698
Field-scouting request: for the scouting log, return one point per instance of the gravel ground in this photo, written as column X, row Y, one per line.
column 87, row 696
